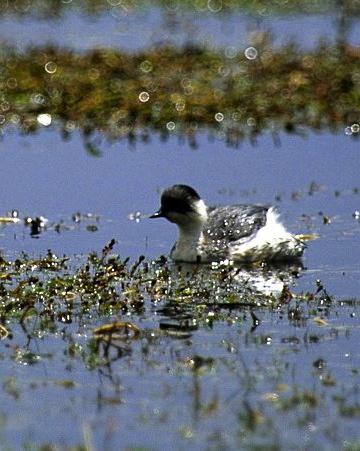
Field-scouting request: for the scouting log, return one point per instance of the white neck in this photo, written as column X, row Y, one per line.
column 191, row 235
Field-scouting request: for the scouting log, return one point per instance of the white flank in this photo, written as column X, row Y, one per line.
column 269, row 240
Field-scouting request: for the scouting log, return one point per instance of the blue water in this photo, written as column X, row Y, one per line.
column 44, row 175
column 150, row 397
column 219, row 30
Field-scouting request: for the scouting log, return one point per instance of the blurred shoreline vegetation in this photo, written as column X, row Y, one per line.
column 54, row 8
column 233, row 93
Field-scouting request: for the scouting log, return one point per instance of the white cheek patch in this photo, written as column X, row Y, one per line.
column 201, row 210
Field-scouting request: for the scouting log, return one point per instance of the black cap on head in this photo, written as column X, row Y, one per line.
column 177, row 199
column 180, row 192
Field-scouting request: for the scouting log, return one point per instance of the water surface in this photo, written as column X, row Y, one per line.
column 215, row 30
column 202, row 374
column 306, row 177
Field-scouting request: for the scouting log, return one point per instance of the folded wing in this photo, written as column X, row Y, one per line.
column 234, row 223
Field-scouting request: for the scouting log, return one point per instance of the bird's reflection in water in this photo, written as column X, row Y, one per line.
column 198, row 293
column 267, row 280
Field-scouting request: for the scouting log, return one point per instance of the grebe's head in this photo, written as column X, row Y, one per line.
column 182, row 205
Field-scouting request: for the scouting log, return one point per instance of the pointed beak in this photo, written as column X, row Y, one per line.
column 158, row 214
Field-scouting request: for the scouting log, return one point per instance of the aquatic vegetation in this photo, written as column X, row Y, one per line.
column 57, row 291
column 148, row 327
column 50, row 288
column 144, row 352
column 106, row 92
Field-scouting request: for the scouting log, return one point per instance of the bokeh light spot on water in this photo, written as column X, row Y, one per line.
column 114, row 2
column 144, row 96
column 348, row 131
column 44, row 119
column 180, row 105
column 50, row 67
column 171, row 126
column 230, row 52
column 186, row 82
column 219, row 117
column 11, row 83
column 70, row 126
column 355, row 128
column 5, row 106
column 251, row 53
column 214, row 5
column 251, row 122
column 93, row 73
column 37, row 98
column 146, row 66
column 224, row 71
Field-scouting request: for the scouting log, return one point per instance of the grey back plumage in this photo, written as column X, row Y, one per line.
column 235, row 222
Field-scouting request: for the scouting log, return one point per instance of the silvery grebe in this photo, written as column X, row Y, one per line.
column 243, row 233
